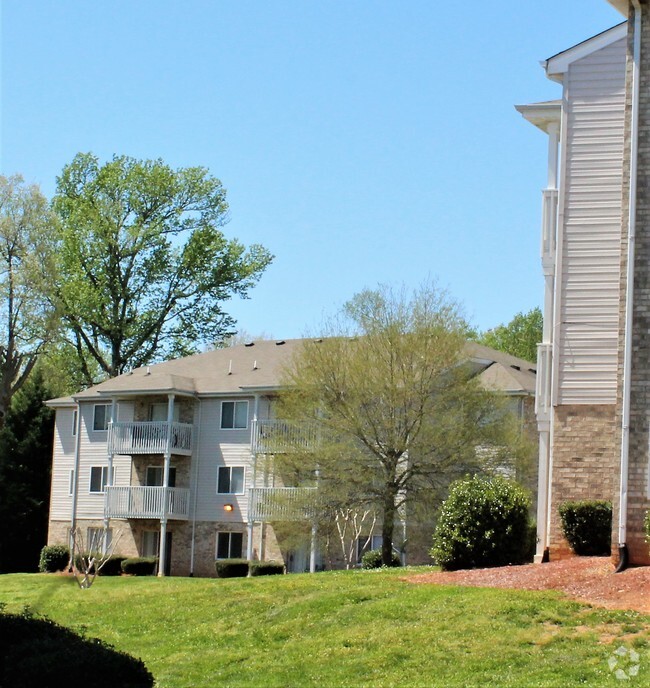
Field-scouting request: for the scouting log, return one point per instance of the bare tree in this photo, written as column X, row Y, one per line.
column 89, row 556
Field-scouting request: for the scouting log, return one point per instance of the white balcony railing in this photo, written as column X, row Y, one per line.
column 147, row 502
column 150, row 438
column 543, row 382
column 279, row 437
column 280, row 503
column 549, row 226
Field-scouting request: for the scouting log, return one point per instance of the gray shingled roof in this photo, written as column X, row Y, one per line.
column 259, row 365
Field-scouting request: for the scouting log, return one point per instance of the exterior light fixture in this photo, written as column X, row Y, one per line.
column 228, row 507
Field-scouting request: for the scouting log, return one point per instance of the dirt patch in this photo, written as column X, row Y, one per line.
column 588, row 579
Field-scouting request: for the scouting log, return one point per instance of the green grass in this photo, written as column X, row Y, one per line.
column 358, row 628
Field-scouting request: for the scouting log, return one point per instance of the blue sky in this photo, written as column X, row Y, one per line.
column 361, row 142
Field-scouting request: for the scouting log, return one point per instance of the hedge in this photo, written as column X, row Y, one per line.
column 266, row 568
column 231, row 568
column 587, row 525
column 140, row 566
column 372, row 559
column 53, row 558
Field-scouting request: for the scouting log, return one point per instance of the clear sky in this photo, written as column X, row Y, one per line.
column 362, row 142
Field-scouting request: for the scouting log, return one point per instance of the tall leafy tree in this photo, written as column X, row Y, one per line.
column 144, row 267
column 519, row 337
column 27, row 319
column 397, row 414
column 25, row 459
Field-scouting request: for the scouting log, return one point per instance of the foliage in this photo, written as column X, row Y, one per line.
column 53, row 558
column 484, row 522
column 396, row 412
column 587, row 525
column 39, row 652
column 25, row 462
column 373, row 560
column 266, row 568
column 143, row 266
column 342, row 628
column 519, row 337
column 112, row 566
column 140, row 566
column 231, row 568
column 27, row 320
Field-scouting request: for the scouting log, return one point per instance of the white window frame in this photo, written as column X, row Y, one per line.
column 229, row 533
column 106, row 417
column 104, row 479
column 149, row 538
column 164, row 405
column 234, row 425
column 230, row 470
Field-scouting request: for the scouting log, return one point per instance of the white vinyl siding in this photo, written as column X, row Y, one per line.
column 591, row 217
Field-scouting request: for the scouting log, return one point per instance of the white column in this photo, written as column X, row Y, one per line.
column 167, row 459
column 312, row 551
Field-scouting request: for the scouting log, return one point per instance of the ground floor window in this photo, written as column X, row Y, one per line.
column 229, row 545
column 150, row 543
column 99, row 539
column 366, row 543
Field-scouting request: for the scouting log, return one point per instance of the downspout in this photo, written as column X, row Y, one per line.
column 75, row 483
column 195, row 452
column 629, row 294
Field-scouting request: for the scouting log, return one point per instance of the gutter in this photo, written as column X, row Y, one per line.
column 629, row 294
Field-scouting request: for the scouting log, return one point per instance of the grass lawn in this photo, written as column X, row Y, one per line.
column 352, row 628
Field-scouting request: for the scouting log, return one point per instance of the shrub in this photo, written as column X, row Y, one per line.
column 484, row 522
column 266, row 568
column 140, row 566
column 39, row 652
column 112, row 566
column 372, row 559
column 53, row 558
column 231, row 568
column 646, row 526
column 587, row 526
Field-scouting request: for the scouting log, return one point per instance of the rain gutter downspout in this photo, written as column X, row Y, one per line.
column 629, row 293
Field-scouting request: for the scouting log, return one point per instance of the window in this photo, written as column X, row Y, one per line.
column 99, row 539
column 366, row 543
column 231, row 480
column 71, row 483
column 229, row 545
column 74, row 423
column 155, row 476
column 158, row 412
column 150, row 543
column 234, row 415
column 99, row 478
column 101, row 416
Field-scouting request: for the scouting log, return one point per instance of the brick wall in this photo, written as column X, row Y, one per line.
column 585, row 459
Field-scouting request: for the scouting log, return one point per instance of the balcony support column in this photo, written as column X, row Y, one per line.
column 109, row 477
column 167, row 461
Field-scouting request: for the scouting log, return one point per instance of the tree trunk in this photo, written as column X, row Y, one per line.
column 387, row 528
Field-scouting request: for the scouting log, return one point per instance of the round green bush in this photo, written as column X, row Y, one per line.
column 587, row 525
column 483, row 522
column 372, row 559
column 53, row 558
column 266, row 568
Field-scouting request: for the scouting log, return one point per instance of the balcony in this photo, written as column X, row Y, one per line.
column 150, row 438
column 280, row 503
column 147, row 502
column 280, row 437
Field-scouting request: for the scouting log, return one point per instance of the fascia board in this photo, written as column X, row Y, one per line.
column 622, row 6
column 541, row 115
column 559, row 64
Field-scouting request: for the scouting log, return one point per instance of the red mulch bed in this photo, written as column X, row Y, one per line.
column 587, row 579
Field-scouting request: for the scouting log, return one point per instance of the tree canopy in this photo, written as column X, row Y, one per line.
column 519, row 337
column 27, row 319
column 144, row 269
column 398, row 413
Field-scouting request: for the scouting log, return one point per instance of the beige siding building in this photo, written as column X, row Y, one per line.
column 171, row 458
column 592, row 409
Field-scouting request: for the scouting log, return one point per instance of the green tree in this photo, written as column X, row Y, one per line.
column 144, row 267
column 25, row 459
column 397, row 414
column 27, row 319
column 519, row 337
